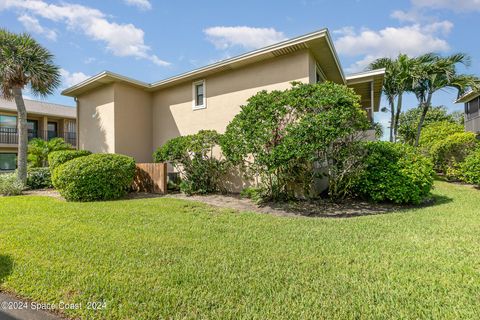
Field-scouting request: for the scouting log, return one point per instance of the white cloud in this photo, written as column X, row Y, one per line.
column 389, row 42
column 455, row 5
column 72, row 78
column 141, row 4
column 121, row 39
column 246, row 37
column 31, row 24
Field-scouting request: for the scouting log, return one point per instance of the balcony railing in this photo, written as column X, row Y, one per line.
column 10, row 135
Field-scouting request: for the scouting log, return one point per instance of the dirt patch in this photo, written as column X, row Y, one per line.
column 44, row 192
column 316, row 208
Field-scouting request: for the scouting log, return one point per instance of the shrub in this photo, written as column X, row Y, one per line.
column 394, row 172
column 39, row 178
column 94, row 177
column 57, row 158
column 470, row 168
column 39, row 150
column 280, row 136
column 193, row 156
column 10, row 185
column 436, row 132
column 449, row 152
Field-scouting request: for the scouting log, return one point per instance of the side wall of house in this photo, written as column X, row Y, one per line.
column 96, row 120
column 133, row 122
column 225, row 93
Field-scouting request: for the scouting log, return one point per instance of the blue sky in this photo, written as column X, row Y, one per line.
column 152, row 40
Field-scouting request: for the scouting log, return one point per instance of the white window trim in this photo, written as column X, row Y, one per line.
column 194, row 95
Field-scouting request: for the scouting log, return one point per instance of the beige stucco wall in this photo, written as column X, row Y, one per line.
column 96, row 120
column 225, row 93
column 133, row 122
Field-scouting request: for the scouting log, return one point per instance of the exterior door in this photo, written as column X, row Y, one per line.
column 52, row 130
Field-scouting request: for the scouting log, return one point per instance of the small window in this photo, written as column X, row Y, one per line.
column 319, row 75
column 199, row 95
column 8, row 161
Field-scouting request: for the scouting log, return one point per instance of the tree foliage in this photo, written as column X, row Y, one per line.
column 194, row 157
column 289, row 138
column 39, row 149
column 408, row 121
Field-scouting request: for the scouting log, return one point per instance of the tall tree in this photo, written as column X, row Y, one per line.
column 398, row 80
column 433, row 73
column 25, row 63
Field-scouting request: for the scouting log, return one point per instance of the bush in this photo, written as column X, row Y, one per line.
column 10, row 185
column 193, row 157
column 39, row 150
column 57, row 158
column 39, row 178
column 436, row 132
column 470, row 168
column 394, row 172
column 281, row 136
column 449, row 152
column 94, row 177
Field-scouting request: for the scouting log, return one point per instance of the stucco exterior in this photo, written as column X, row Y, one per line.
column 173, row 114
column 117, row 114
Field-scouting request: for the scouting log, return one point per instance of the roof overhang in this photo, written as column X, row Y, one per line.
column 468, row 96
column 319, row 43
column 368, row 85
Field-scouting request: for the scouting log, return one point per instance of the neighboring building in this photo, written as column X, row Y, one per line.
column 45, row 121
column 117, row 114
column 471, row 100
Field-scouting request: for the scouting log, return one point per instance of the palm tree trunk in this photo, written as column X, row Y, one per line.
column 22, row 134
column 426, row 107
column 397, row 116
column 391, row 102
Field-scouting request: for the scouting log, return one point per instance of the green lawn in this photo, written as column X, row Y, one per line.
column 155, row 258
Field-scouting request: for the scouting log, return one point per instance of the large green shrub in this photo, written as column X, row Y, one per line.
column 436, row 132
column 281, row 136
column 449, row 152
column 193, row 156
column 10, row 185
column 39, row 150
column 470, row 168
column 394, row 172
column 408, row 121
column 57, row 158
column 94, row 177
column 39, row 178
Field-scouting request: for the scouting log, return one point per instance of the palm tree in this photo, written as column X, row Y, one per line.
column 25, row 63
column 432, row 73
column 39, row 149
column 397, row 81
column 390, row 88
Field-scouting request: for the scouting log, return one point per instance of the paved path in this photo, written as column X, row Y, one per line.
column 12, row 308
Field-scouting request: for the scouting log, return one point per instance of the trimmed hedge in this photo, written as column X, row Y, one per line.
column 470, row 168
column 394, row 172
column 94, row 177
column 58, row 158
column 39, row 178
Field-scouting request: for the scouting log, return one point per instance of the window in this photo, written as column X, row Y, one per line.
column 32, row 129
column 199, row 101
column 472, row 108
column 8, row 121
column 51, row 130
column 319, row 76
column 8, row 161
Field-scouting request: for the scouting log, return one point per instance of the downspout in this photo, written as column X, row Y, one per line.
column 76, row 123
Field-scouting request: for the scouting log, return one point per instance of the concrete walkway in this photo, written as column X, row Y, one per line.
column 12, row 308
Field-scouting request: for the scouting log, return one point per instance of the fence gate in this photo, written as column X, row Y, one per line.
column 151, row 177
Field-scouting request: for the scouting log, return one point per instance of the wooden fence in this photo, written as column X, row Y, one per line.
column 151, row 177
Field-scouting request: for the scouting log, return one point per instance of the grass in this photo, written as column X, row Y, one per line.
column 168, row 258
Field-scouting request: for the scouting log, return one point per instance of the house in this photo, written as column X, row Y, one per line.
column 471, row 99
column 44, row 120
column 118, row 114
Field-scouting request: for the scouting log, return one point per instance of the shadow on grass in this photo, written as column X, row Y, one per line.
column 6, row 267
